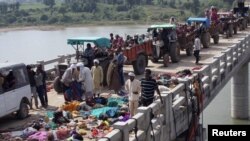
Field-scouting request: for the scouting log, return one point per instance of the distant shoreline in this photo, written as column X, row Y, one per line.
column 63, row 26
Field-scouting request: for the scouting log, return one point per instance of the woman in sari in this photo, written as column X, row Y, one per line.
column 113, row 79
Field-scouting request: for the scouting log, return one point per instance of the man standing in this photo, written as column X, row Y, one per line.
column 197, row 47
column 40, row 68
column 86, row 79
column 89, row 55
column 121, row 59
column 31, row 75
column 148, row 88
column 97, row 74
column 39, row 86
column 133, row 87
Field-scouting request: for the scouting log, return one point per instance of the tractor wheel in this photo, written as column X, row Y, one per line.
column 140, row 64
column 205, row 40
column 235, row 29
column 165, row 60
column 230, row 30
column 242, row 25
column 23, row 111
column 216, row 38
column 189, row 50
column 57, row 84
column 245, row 23
column 146, row 61
column 227, row 33
column 175, row 52
column 220, row 30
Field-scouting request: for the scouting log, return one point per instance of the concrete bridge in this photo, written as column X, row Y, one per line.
column 177, row 118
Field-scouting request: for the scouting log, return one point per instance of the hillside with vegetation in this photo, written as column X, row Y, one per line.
column 82, row 12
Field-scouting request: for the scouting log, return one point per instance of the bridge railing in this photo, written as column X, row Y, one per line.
column 173, row 116
column 216, row 71
column 59, row 59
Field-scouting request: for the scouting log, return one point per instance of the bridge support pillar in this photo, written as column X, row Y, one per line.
column 239, row 95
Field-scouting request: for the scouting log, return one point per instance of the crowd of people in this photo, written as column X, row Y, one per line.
column 81, row 83
column 130, row 41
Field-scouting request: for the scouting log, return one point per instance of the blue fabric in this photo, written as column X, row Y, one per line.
column 120, row 59
column 118, row 100
column 74, row 92
column 111, row 111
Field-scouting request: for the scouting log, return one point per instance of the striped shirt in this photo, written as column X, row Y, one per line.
column 148, row 88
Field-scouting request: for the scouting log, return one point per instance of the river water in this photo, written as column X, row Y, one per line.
column 29, row 46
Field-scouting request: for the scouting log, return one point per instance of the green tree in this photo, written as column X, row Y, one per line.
column 62, row 10
column 149, row 2
column 172, row 3
column 50, row 4
column 130, row 3
column 196, row 4
column 44, row 18
column 17, row 6
column 3, row 7
column 160, row 2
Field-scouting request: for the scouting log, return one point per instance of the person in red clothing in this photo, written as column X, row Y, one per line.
column 214, row 15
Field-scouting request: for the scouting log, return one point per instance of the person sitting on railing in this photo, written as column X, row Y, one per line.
column 89, row 55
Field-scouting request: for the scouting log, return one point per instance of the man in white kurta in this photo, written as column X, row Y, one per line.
column 69, row 75
column 133, row 86
column 86, row 79
column 97, row 74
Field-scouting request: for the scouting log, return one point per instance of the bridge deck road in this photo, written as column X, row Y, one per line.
column 188, row 62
